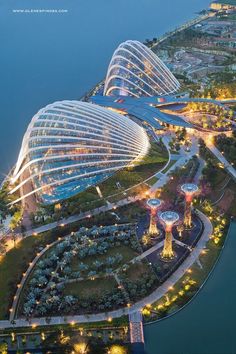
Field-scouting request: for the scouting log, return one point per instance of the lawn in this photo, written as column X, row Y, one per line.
column 136, row 270
column 171, row 163
column 124, row 179
column 90, row 288
column 13, row 265
column 219, row 178
column 127, row 253
column 152, row 181
column 207, row 261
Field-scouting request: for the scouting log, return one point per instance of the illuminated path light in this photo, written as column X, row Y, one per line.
column 189, row 190
column 154, row 204
column 168, row 218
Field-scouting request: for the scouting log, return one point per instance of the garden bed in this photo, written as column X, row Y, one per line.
column 77, row 274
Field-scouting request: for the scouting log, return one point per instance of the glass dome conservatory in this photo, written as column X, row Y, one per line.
column 71, row 145
column 136, row 71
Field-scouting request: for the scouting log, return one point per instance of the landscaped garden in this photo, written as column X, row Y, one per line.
column 218, row 186
column 14, row 264
column 209, row 116
column 16, row 261
column 179, row 176
column 100, row 337
column 81, row 273
column 97, row 269
column 228, row 146
column 191, row 282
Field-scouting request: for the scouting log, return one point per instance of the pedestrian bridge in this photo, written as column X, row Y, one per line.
column 151, row 109
column 136, row 332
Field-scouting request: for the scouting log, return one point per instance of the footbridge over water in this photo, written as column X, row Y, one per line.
column 136, row 332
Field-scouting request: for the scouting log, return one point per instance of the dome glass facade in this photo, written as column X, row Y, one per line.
column 72, row 145
column 136, row 71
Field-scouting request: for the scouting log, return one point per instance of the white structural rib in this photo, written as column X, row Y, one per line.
column 136, row 70
column 73, row 141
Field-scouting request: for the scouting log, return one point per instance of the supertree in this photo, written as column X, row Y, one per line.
column 168, row 219
column 189, row 190
column 153, row 204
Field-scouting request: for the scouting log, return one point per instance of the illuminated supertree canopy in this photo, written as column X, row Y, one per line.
column 189, row 189
column 169, row 218
column 153, row 203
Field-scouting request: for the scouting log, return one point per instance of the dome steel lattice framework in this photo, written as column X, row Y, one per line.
column 136, row 71
column 71, row 145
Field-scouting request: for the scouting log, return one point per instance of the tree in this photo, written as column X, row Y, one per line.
column 3, row 348
column 15, row 219
column 60, row 340
column 146, row 239
column 96, row 346
column 70, row 300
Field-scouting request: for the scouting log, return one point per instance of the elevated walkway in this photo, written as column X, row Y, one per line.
column 151, row 110
column 141, row 108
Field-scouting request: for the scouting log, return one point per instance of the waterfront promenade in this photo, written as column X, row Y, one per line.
column 210, row 316
column 181, row 28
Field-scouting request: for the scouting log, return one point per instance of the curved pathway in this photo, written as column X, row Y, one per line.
column 15, row 304
column 227, row 165
column 184, row 157
column 33, row 232
column 20, row 286
column 156, row 295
